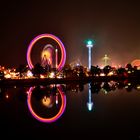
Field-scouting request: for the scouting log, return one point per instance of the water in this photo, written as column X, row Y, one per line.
column 99, row 110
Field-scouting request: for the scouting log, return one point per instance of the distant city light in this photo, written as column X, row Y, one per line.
column 7, row 76
column 138, row 87
column 7, row 96
column 52, row 75
column 42, row 76
column 29, row 74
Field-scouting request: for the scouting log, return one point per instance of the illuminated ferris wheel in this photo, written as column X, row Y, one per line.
column 47, row 56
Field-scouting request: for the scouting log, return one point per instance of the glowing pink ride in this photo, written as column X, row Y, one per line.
column 60, row 45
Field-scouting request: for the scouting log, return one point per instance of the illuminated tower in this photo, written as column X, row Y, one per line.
column 56, row 58
column 105, row 59
column 89, row 45
column 89, row 103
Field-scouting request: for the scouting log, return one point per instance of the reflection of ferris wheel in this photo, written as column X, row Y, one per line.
column 50, row 119
column 50, row 36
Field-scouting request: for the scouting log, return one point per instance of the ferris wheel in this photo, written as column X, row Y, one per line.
column 60, row 46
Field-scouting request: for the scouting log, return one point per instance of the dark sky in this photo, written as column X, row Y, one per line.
column 114, row 25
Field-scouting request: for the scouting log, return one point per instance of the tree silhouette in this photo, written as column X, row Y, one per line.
column 107, row 69
column 21, row 69
column 38, row 70
column 95, row 70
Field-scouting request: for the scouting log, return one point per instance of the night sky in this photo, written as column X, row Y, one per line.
column 115, row 26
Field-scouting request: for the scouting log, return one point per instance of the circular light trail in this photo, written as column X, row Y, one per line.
column 52, row 119
column 60, row 44
column 136, row 62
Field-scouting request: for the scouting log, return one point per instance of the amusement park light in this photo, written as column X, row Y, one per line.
column 89, row 42
column 60, row 45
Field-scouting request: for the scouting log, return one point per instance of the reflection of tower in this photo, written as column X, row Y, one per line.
column 106, row 59
column 56, row 101
column 89, row 103
column 89, row 46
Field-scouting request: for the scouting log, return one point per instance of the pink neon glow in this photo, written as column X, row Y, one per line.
column 47, row 120
column 60, row 44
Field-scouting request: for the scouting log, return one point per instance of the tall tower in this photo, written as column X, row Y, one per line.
column 56, row 58
column 89, row 45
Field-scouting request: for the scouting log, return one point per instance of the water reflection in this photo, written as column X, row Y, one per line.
column 89, row 103
column 48, row 103
column 109, row 86
column 47, row 100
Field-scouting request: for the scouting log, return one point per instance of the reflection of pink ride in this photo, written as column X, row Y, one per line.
column 60, row 45
column 55, row 117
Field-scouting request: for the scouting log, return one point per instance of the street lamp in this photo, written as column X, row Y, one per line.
column 89, row 45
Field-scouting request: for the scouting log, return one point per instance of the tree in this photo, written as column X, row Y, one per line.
column 129, row 69
column 121, row 72
column 107, row 69
column 128, row 66
column 95, row 70
column 38, row 70
column 21, row 69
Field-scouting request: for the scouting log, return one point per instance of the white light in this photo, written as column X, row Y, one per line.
column 42, row 76
column 29, row 73
column 102, row 74
column 90, row 106
column 52, row 75
column 7, row 76
column 56, row 99
column 138, row 87
column 110, row 73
